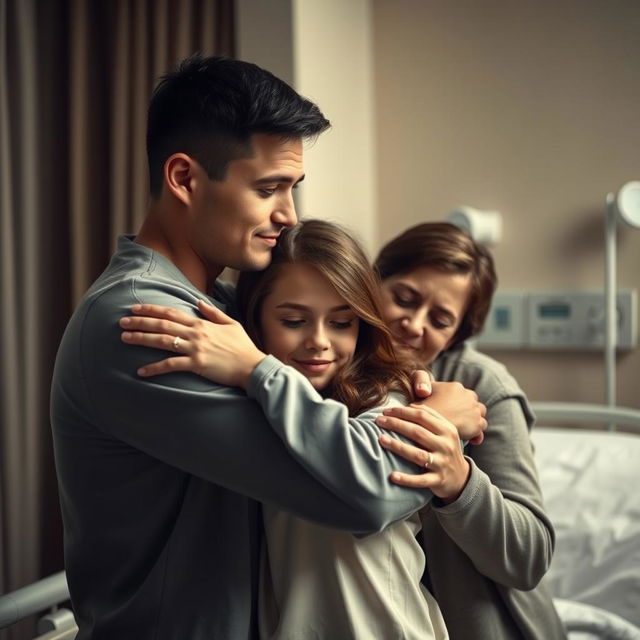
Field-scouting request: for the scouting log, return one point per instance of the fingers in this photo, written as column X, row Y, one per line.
column 155, row 325
column 421, row 381
column 418, row 481
column 161, row 341
column 209, row 311
column 420, row 457
column 158, row 319
column 447, row 471
column 168, row 365
column 212, row 313
column 166, row 313
column 164, row 341
column 479, row 439
column 414, row 422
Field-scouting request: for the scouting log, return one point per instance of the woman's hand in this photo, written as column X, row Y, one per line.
column 461, row 406
column 217, row 348
column 421, row 382
column 437, row 449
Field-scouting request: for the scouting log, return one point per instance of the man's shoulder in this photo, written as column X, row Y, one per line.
column 135, row 275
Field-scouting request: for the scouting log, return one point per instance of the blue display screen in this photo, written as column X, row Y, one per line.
column 502, row 318
column 554, row 310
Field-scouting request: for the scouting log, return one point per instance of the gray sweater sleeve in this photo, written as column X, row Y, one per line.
column 499, row 520
column 306, row 455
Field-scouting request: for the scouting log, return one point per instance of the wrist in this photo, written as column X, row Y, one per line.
column 250, row 362
column 457, row 492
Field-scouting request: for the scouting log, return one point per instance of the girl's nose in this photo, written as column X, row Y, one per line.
column 318, row 340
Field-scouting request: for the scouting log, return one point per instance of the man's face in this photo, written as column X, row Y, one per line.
column 236, row 222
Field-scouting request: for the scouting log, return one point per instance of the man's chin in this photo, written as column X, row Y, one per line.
column 256, row 264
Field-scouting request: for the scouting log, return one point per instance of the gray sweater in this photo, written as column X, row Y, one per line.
column 488, row 551
column 160, row 478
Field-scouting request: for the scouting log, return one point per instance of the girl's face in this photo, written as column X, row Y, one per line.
column 307, row 325
column 424, row 308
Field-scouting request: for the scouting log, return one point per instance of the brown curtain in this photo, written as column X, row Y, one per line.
column 75, row 80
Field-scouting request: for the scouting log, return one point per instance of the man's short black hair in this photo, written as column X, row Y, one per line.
column 209, row 108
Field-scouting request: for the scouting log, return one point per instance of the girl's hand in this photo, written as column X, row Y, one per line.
column 217, row 348
column 437, row 449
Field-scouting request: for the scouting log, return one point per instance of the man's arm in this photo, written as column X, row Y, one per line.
column 320, row 464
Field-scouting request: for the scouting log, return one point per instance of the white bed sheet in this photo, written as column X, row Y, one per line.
column 585, row 622
column 591, row 484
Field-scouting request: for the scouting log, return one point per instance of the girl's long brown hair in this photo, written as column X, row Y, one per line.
column 375, row 369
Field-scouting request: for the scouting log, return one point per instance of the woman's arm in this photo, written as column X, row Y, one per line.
column 498, row 520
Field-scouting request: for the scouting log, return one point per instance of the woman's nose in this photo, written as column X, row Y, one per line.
column 414, row 324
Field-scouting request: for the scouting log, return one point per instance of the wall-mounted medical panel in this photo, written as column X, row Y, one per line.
column 506, row 325
column 570, row 320
column 576, row 320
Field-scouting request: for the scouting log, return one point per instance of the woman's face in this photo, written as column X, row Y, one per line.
column 424, row 308
column 306, row 324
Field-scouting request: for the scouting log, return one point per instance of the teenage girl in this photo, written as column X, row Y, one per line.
column 317, row 308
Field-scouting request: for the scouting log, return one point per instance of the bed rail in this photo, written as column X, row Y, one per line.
column 585, row 413
column 33, row 599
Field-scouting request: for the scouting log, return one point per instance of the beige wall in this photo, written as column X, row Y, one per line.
column 325, row 50
column 333, row 65
column 531, row 109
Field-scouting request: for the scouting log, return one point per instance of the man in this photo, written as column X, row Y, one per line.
column 160, row 478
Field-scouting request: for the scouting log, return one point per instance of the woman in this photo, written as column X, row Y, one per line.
column 488, row 550
column 317, row 309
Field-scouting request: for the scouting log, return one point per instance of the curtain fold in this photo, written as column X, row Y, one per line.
column 23, row 401
column 75, row 81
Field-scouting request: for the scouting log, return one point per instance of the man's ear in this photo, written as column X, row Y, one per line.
column 179, row 175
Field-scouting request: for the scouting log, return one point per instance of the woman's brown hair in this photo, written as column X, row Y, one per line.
column 375, row 370
column 449, row 249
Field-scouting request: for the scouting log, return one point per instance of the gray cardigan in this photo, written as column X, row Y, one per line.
column 159, row 478
column 488, row 552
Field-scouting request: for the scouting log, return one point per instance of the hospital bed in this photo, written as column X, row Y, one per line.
column 42, row 598
column 590, row 479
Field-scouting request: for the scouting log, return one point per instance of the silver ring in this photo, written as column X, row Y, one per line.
column 176, row 342
column 429, row 462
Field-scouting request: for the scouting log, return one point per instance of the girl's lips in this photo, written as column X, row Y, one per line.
column 314, row 366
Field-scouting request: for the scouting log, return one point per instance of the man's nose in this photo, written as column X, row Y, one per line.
column 285, row 212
